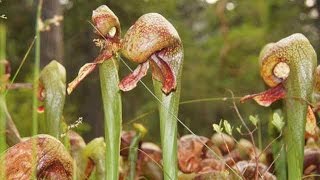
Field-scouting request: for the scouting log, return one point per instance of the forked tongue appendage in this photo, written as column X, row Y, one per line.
column 266, row 98
column 83, row 72
column 130, row 81
column 86, row 69
column 164, row 73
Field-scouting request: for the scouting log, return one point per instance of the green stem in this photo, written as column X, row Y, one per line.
column 2, row 136
column 168, row 111
column 36, row 70
column 3, row 145
column 299, row 84
column 2, row 88
column 259, row 134
column 133, row 155
column 111, row 97
column 296, row 112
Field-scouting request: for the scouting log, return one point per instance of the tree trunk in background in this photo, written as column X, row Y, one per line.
column 52, row 40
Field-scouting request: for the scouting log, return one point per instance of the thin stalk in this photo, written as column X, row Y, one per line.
column 21, row 64
column 36, row 70
column 133, row 155
column 2, row 96
column 260, row 134
column 168, row 110
column 111, row 97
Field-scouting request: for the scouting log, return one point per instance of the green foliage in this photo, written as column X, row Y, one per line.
column 277, row 121
column 239, row 129
column 223, row 125
column 254, row 120
column 217, row 127
column 227, row 127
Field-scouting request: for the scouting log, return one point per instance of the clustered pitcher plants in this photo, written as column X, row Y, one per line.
column 287, row 66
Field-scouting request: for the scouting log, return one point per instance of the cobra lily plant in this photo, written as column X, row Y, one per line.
column 107, row 27
column 288, row 67
column 153, row 40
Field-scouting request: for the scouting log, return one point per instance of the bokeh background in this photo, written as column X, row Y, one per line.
column 222, row 40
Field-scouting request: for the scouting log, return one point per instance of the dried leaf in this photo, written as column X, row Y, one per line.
column 190, row 152
column 311, row 124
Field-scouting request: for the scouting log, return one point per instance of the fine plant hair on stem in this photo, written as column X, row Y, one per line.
column 161, row 103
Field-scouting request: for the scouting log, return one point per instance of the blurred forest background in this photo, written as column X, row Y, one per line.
column 222, row 40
